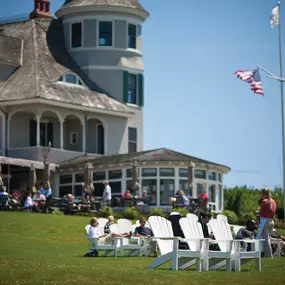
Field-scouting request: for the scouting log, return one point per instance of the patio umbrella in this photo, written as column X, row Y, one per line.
column 191, row 176
column 88, row 178
column 1, row 180
column 135, row 176
column 33, row 179
column 46, row 176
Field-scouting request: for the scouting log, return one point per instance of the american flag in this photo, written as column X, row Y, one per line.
column 253, row 78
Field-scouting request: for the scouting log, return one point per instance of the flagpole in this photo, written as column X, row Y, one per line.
column 282, row 101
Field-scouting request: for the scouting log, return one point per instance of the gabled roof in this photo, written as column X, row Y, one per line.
column 45, row 59
column 11, row 50
column 156, row 155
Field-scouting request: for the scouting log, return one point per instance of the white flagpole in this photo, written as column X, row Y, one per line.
column 282, row 101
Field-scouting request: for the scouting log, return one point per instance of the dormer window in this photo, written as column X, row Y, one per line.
column 71, row 79
column 76, row 35
column 105, row 33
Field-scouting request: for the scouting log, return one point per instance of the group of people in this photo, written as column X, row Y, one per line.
column 95, row 233
column 27, row 199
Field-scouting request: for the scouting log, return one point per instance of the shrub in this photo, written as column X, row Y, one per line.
column 280, row 213
column 131, row 213
column 105, row 212
column 232, row 217
column 182, row 211
column 156, row 212
column 57, row 212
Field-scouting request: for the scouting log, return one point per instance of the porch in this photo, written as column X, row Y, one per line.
column 68, row 134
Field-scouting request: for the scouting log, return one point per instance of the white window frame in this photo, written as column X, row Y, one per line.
column 78, row 79
column 98, row 33
column 130, row 141
column 70, row 34
column 71, row 138
column 129, row 23
column 137, row 89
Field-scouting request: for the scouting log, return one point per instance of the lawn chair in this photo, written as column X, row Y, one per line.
column 222, row 218
column 110, row 246
column 102, row 222
column 192, row 217
column 211, row 259
column 168, row 246
column 131, row 245
column 223, row 235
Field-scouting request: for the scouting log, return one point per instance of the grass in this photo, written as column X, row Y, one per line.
column 48, row 249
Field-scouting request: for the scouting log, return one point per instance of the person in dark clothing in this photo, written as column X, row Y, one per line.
column 204, row 219
column 249, row 232
column 143, row 231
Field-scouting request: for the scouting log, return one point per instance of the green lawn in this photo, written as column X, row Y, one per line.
column 48, row 249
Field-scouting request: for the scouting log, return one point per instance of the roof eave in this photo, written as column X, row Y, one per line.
column 67, row 105
column 63, row 11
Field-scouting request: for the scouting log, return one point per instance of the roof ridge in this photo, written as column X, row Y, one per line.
column 35, row 55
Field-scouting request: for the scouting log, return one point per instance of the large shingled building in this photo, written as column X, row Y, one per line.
column 76, row 83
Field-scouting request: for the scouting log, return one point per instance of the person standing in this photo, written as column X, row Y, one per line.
column 266, row 213
column 107, row 194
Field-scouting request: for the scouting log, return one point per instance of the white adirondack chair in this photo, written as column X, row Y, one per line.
column 168, row 246
column 131, row 245
column 222, row 218
column 102, row 222
column 224, row 239
column 211, row 259
column 109, row 245
column 192, row 217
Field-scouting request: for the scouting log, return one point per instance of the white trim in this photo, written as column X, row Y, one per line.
column 70, row 35
column 75, row 18
column 67, row 105
column 106, row 48
column 71, row 134
column 112, row 67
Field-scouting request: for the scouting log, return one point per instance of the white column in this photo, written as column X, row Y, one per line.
column 38, row 118
column 61, row 134
column 84, row 137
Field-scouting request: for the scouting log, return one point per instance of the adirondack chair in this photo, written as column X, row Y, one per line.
column 222, row 218
column 168, row 246
column 110, row 246
column 223, row 235
column 211, row 259
column 192, row 217
column 131, row 245
column 102, row 222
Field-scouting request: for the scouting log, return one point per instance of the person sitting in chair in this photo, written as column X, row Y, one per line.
column 143, row 231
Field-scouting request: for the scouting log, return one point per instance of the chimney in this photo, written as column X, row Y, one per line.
column 41, row 10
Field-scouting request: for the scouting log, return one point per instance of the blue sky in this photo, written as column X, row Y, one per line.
column 194, row 103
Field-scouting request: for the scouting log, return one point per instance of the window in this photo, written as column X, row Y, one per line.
column 212, row 176
column 166, row 172
column 63, row 190
column 71, row 79
column 200, row 174
column 183, row 185
column 76, row 35
column 73, row 138
column 100, row 139
column 220, row 197
column 115, row 174
column 199, row 188
column 99, row 188
column 133, row 139
column 212, row 193
column 148, row 172
column 132, row 88
column 65, row 179
column 220, row 177
column 166, row 191
column 183, row 172
column 132, row 36
column 46, row 134
column 149, row 185
column 99, row 175
column 105, row 33
column 79, row 177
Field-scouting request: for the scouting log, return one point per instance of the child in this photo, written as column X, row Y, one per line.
column 93, row 236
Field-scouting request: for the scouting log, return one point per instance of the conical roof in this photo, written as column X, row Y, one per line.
column 131, row 4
